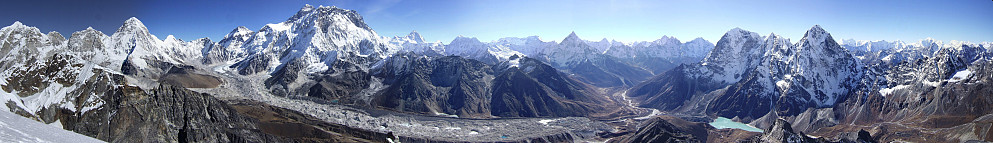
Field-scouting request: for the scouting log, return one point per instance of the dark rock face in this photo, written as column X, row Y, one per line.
column 659, row 130
column 164, row 114
column 253, row 64
column 534, row 89
column 668, row 90
column 451, row 85
column 747, row 77
column 472, row 89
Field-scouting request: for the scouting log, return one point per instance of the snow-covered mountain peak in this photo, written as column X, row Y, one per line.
column 239, row 32
column 700, row 42
column 571, row 39
column 667, row 40
column 19, row 27
column 16, row 24
column 734, row 53
column 415, row 36
column 324, row 16
column 171, row 38
column 461, row 40
column 132, row 25
column 817, row 35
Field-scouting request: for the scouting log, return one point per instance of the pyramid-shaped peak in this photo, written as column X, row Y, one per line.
column 572, row 38
column 134, row 21
column 572, row 34
column 133, row 24
column 816, row 28
column 816, row 33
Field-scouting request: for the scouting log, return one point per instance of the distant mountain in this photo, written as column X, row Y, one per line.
column 762, row 76
column 521, row 87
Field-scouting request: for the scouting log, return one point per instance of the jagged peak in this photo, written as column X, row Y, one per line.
column 413, row 35
column 241, row 30
column 816, row 28
column 816, row 32
column 307, row 7
column 817, row 35
column 207, row 39
column 667, row 39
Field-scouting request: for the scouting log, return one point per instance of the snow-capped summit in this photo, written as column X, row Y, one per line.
column 228, row 49
column 132, row 25
column 698, row 47
column 817, row 64
column 318, row 36
column 415, row 36
column 19, row 42
column 530, row 46
column 17, row 24
column 572, row 37
column 571, row 50
column 470, row 48
column 241, row 32
column 737, row 51
column 413, row 42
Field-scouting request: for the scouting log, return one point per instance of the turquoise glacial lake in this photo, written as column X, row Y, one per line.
column 722, row 123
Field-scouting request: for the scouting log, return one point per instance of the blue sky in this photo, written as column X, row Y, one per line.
column 623, row 20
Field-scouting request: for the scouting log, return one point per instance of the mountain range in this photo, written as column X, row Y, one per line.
column 323, row 75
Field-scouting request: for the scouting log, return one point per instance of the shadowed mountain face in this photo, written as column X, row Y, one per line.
column 760, row 76
column 468, row 88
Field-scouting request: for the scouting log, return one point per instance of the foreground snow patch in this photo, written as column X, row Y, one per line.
column 888, row 91
column 959, row 76
column 17, row 129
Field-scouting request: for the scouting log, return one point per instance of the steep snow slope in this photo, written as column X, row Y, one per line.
column 14, row 128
